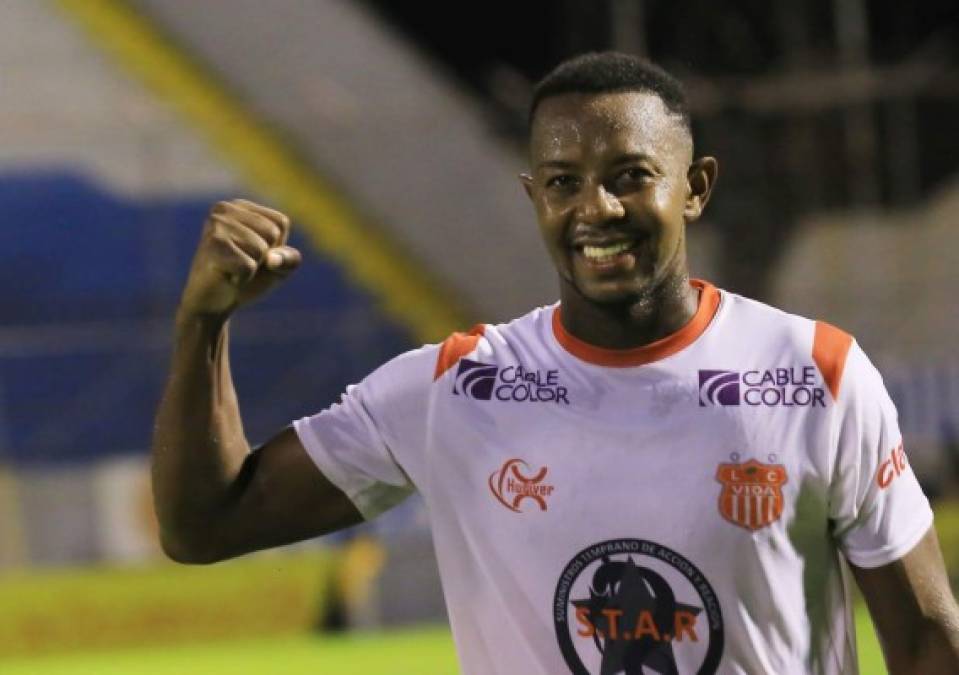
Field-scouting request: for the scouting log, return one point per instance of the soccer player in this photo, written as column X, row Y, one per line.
column 651, row 475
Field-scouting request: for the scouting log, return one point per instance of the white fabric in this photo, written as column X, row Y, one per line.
column 634, row 460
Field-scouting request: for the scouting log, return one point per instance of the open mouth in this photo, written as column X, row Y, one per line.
column 609, row 255
column 606, row 253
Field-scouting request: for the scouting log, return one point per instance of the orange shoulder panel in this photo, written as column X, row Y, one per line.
column 830, row 347
column 455, row 347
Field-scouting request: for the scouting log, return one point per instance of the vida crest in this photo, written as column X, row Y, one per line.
column 752, row 494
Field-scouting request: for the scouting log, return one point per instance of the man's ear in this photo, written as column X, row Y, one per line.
column 527, row 181
column 700, row 179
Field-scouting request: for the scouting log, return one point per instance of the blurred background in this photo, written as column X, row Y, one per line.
column 392, row 133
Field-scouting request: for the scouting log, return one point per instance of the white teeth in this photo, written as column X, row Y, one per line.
column 601, row 252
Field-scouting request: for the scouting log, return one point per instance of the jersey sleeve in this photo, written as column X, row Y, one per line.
column 365, row 443
column 877, row 507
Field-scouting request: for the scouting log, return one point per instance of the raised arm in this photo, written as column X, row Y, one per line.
column 214, row 498
column 914, row 611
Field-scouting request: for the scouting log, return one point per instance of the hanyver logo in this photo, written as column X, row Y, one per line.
column 512, row 487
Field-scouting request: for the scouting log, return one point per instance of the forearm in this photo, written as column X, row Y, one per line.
column 198, row 443
column 914, row 611
column 936, row 649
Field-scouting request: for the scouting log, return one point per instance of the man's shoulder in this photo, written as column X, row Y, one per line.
column 766, row 321
column 530, row 325
column 485, row 340
column 744, row 309
column 756, row 323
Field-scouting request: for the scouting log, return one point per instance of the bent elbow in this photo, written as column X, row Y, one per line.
column 186, row 554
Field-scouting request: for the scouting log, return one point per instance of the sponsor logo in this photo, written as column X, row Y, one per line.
column 892, row 467
column 788, row 387
column 511, row 487
column 752, row 494
column 475, row 379
column 718, row 387
column 486, row 382
column 635, row 606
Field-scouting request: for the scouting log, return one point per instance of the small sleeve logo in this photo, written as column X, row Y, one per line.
column 892, row 467
column 512, row 487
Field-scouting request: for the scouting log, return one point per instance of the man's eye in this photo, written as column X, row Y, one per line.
column 562, row 182
column 635, row 173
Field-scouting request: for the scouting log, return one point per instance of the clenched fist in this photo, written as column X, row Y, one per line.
column 241, row 254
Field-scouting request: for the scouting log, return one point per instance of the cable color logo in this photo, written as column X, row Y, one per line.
column 786, row 387
column 488, row 382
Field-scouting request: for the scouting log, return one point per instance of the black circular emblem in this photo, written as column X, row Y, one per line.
column 625, row 604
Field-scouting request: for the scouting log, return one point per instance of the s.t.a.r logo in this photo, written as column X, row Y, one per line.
column 632, row 607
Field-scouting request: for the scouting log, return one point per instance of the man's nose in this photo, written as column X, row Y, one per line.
column 598, row 205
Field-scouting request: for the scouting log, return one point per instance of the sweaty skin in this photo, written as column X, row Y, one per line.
column 617, row 169
column 214, row 497
column 608, row 169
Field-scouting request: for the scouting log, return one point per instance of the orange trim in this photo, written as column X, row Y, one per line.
column 830, row 346
column 455, row 347
column 654, row 351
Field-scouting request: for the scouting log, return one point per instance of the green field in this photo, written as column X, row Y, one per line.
column 420, row 652
column 427, row 651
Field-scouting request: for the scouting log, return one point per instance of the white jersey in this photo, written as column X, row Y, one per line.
column 682, row 507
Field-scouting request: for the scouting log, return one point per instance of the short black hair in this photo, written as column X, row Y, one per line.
column 607, row 72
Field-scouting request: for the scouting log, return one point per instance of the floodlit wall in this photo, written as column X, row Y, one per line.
column 103, row 188
column 889, row 279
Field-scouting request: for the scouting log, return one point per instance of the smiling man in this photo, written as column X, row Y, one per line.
column 614, row 184
column 651, row 475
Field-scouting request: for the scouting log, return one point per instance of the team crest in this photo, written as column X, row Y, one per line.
column 752, row 494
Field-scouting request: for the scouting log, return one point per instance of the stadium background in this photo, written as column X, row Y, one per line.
column 392, row 133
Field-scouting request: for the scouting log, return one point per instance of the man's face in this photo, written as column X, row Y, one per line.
column 612, row 195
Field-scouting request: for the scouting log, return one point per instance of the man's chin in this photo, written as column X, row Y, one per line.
column 615, row 294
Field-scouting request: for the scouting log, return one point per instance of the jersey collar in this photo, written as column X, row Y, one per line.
column 654, row 351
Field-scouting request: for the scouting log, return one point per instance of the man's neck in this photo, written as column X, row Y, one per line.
column 636, row 322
